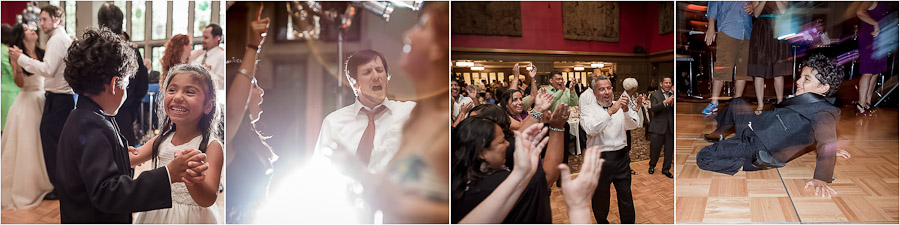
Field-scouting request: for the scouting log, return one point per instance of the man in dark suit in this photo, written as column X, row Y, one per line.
column 110, row 16
column 773, row 138
column 96, row 183
column 662, row 125
column 579, row 87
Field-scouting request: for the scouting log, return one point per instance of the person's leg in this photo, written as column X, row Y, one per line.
column 622, row 182
column 739, row 88
column 726, row 55
column 716, row 90
column 863, row 90
column 872, row 82
column 48, row 142
column 741, row 66
column 600, row 200
column 669, row 151
column 779, row 88
column 758, row 86
column 656, row 142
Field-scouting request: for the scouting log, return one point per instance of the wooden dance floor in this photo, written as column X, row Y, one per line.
column 48, row 211
column 652, row 193
column 866, row 184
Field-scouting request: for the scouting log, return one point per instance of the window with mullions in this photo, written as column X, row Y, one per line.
column 160, row 16
column 138, row 20
column 202, row 16
column 156, row 55
column 180, row 17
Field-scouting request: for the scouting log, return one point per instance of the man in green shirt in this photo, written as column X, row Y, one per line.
column 561, row 93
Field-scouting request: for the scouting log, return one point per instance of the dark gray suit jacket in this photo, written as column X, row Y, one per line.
column 663, row 118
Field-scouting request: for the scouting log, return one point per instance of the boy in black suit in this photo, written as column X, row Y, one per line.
column 773, row 138
column 96, row 183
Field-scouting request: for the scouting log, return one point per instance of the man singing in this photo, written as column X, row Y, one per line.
column 605, row 123
column 371, row 127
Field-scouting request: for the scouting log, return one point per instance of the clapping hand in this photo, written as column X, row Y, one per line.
column 529, row 144
column 578, row 192
column 669, row 100
column 559, row 116
column 542, row 100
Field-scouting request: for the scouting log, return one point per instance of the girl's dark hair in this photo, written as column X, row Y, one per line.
column 209, row 123
column 100, row 55
column 18, row 39
column 470, row 138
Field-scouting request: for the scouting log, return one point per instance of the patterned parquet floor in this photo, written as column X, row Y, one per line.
column 866, row 184
column 48, row 211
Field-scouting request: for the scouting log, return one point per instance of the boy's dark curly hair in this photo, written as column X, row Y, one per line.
column 827, row 71
column 99, row 56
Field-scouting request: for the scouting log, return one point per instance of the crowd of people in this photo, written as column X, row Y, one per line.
column 751, row 46
column 79, row 101
column 494, row 180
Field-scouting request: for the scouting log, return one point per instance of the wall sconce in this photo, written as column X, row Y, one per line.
column 596, row 65
column 477, row 68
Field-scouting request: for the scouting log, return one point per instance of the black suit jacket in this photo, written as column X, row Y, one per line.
column 797, row 123
column 131, row 109
column 663, row 121
column 96, row 183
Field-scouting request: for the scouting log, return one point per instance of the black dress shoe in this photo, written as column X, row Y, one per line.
column 763, row 160
column 51, row 196
column 667, row 173
column 651, row 170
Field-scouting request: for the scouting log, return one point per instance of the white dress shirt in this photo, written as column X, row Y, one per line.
column 215, row 58
column 604, row 130
column 53, row 66
column 343, row 129
column 460, row 101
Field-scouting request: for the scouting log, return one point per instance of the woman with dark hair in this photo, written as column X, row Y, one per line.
column 178, row 50
column 250, row 158
column 486, row 190
column 25, row 178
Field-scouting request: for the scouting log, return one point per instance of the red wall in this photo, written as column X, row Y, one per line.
column 542, row 30
column 9, row 10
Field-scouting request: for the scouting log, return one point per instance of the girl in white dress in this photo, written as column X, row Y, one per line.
column 189, row 105
column 24, row 178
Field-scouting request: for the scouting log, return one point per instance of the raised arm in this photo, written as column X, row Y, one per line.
column 758, row 7
column 239, row 90
column 555, row 146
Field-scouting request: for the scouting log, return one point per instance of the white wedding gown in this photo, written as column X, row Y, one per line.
column 24, row 175
column 184, row 210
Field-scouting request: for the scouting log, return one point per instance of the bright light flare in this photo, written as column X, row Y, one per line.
column 314, row 194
